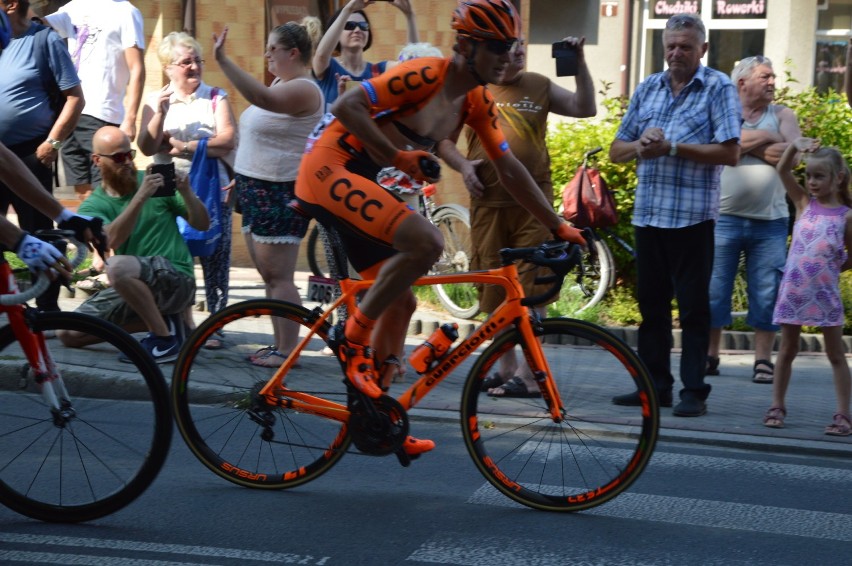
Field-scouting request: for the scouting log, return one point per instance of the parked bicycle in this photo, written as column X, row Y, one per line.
column 461, row 300
column 568, row 450
column 81, row 434
column 596, row 275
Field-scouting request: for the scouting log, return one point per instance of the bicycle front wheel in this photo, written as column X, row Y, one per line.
column 460, row 299
column 230, row 430
column 598, row 275
column 104, row 444
column 596, row 450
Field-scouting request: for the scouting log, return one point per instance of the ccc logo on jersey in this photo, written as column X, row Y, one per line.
column 412, row 80
column 355, row 200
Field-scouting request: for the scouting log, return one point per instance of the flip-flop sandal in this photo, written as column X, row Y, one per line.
column 515, row 388
column 712, row 366
column 214, row 344
column 840, row 426
column 774, row 417
column 762, row 375
column 261, row 352
column 492, row 381
column 268, row 360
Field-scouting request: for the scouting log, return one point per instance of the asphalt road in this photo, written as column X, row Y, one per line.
column 693, row 505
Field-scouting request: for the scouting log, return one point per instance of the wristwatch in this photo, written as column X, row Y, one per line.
column 673, row 149
column 55, row 144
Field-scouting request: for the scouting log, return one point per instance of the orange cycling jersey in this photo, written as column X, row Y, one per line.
column 337, row 178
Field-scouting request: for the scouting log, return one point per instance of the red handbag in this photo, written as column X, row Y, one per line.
column 587, row 202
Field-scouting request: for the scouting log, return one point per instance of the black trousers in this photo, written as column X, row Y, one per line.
column 675, row 263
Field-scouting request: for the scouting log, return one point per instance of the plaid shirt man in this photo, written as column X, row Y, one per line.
column 675, row 192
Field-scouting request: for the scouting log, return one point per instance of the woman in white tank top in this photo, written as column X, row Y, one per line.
column 272, row 136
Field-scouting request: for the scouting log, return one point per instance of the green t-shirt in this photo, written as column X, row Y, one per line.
column 156, row 231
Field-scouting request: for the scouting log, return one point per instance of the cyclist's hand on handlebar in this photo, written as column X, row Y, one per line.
column 568, row 233
column 86, row 229
column 41, row 256
column 417, row 164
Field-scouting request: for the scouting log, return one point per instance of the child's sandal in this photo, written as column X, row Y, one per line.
column 774, row 417
column 840, row 426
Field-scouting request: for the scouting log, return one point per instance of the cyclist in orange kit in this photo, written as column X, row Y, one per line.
column 396, row 119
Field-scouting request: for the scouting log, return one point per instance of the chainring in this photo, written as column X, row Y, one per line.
column 379, row 429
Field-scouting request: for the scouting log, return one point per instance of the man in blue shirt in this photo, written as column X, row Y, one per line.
column 34, row 67
column 682, row 126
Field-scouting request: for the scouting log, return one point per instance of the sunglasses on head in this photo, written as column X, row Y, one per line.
column 121, row 156
column 363, row 26
column 499, row 47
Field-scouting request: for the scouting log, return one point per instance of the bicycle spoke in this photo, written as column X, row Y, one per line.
column 596, row 451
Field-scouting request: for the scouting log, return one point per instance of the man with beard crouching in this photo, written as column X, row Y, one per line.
column 151, row 275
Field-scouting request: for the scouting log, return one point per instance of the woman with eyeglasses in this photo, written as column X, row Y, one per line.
column 274, row 130
column 348, row 33
column 174, row 119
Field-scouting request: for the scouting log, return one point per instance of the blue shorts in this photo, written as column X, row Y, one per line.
column 764, row 244
column 267, row 215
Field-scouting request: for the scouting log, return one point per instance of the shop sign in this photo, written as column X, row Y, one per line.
column 728, row 9
column 668, row 8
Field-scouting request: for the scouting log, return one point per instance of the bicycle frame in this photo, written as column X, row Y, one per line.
column 509, row 312
column 32, row 343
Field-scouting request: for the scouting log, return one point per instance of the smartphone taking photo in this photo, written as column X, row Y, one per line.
column 566, row 59
column 167, row 170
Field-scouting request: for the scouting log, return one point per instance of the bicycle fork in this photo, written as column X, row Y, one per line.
column 530, row 329
column 39, row 361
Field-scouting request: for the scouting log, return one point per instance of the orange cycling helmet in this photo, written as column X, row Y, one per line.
column 487, row 19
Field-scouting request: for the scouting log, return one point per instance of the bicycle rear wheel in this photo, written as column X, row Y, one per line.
column 598, row 277
column 460, row 299
column 315, row 252
column 106, row 446
column 595, row 452
column 217, row 410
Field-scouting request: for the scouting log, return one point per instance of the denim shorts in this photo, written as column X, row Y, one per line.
column 764, row 245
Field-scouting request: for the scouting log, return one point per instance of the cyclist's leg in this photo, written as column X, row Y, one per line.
column 375, row 226
column 389, row 337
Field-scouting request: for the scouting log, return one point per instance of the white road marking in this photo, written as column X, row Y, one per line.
column 136, row 546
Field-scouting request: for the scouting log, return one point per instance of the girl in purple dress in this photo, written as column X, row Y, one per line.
column 810, row 288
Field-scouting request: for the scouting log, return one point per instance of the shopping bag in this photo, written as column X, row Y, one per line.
column 204, row 180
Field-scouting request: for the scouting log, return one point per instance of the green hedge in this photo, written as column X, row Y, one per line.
column 827, row 117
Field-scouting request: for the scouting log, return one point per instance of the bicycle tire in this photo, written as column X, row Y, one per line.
column 461, row 300
column 212, row 401
column 315, row 253
column 109, row 452
column 599, row 447
column 598, row 277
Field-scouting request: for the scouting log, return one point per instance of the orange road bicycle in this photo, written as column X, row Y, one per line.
column 568, row 450
column 81, row 434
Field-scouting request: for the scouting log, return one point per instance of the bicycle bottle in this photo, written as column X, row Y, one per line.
column 434, row 348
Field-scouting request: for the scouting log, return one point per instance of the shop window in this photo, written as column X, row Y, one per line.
column 834, row 22
column 724, row 51
column 551, row 20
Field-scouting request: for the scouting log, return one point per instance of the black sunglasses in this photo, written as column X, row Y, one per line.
column 363, row 26
column 499, row 47
column 121, row 156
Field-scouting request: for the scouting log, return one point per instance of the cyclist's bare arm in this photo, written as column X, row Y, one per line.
column 23, row 183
